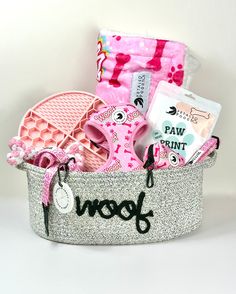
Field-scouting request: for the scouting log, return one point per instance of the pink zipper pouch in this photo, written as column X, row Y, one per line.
column 129, row 68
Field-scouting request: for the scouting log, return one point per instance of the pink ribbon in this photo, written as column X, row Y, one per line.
column 51, row 159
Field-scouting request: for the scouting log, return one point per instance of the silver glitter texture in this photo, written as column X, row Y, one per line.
column 176, row 201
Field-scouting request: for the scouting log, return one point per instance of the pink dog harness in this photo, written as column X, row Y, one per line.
column 119, row 125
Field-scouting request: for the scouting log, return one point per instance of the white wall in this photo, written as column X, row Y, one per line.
column 48, row 46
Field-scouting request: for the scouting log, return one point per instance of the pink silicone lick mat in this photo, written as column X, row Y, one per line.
column 59, row 120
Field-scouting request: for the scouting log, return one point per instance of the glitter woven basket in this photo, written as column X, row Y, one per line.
column 173, row 207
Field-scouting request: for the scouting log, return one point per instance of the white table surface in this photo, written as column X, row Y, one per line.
column 203, row 262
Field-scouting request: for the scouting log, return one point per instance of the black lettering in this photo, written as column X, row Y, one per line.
column 183, row 145
column 92, row 207
column 126, row 210
column 129, row 206
column 168, row 143
column 142, row 216
column 176, row 145
column 167, row 128
column 180, row 131
column 111, row 207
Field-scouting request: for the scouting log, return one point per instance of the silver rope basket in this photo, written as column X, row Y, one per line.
column 119, row 208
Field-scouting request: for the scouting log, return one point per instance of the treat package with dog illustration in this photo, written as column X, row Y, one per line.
column 180, row 119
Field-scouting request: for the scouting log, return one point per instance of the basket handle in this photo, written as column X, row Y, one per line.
column 210, row 161
column 22, row 166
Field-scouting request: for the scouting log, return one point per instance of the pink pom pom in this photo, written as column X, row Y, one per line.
column 19, row 152
column 12, row 161
column 17, row 142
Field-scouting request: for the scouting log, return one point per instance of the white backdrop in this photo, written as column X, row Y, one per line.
column 49, row 46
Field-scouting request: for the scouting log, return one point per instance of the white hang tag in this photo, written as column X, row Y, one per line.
column 63, row 197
